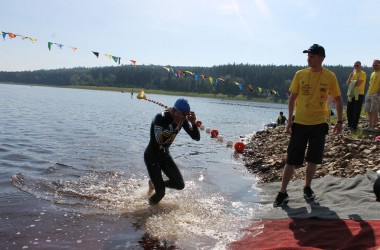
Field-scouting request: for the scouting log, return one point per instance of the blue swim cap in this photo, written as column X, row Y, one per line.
column 182, row 105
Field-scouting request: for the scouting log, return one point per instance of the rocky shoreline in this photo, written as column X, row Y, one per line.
column 346, row 155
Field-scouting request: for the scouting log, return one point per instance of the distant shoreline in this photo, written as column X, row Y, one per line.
column 154, row 91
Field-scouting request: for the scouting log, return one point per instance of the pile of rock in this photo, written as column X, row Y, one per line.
column 344, row 156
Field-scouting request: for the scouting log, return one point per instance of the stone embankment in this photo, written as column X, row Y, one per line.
column 346, row 155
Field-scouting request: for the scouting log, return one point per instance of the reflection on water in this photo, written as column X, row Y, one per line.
column 74, row 174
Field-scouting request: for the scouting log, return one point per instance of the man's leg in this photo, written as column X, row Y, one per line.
column 349, row 112
column 311, row 168
column 172, row 172
column 286, row 177
column 357, row 111
column 154, row 170
column 370, row 119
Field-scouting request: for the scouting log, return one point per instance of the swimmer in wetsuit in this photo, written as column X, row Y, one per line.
column 163, row 131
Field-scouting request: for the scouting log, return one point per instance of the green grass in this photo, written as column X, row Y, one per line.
column 358, row 134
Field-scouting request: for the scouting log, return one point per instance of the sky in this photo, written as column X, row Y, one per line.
column 187, row 32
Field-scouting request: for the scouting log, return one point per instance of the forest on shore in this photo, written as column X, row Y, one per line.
column 250, row 81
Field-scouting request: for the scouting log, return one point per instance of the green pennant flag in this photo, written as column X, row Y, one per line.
column 49, row 45
column 115, row 58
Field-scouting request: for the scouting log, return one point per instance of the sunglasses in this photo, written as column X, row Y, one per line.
column 374, row 65
column 356, row 65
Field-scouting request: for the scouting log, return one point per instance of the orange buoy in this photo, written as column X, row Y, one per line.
column 198, row 123
column 214, row 133
column 239, row 146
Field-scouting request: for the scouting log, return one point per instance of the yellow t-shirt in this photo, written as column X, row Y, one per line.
column 313, row 89
column 361, row 75
column 374, row 83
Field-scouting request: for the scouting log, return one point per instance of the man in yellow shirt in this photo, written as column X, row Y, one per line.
column 371, row 105
column 354, row 106
column 309, row 89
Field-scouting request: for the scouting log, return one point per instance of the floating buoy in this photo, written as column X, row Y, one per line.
column 208, row 131
column 198, row 123
column 239, row 146
column 214, row 133
column 202, row 127
column 220, row 139
column 230, row 144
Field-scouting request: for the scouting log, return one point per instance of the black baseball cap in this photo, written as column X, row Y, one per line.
column 316, row 49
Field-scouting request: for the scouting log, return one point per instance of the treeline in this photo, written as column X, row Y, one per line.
column 266, row 77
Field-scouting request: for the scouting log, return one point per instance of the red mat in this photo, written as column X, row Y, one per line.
column 311, row 233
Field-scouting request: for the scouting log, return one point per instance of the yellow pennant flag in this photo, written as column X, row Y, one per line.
column 211, row 80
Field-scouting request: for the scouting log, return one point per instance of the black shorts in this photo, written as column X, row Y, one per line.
column 311, row 137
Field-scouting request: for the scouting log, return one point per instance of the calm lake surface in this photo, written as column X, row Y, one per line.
column 73, row 174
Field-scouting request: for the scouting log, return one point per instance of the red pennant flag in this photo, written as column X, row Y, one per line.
column 11, row 35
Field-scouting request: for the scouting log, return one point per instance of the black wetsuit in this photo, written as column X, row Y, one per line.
column 157, row 156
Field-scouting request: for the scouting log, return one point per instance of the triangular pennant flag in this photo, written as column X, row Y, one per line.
column 211, row 80
column 109, row 56
column 250, row 87
column 189, row 72
column 240, row 86
column 32, row 39
column 167, row 69
column 49, row 45
column 115, row 58
column 196, row 77
column 4, row 35
column 73, row 48
column 96, row 54
column 260, row 89
column 134, row 62
column 236, row 83
column 179, row 73
column 11, row 35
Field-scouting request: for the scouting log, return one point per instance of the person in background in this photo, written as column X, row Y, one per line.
column 310, row 88
column 371, row 104
column 355, row 95
column 163, row 131
column 281, row 120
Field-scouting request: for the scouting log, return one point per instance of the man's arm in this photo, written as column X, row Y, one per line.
column 291, row 107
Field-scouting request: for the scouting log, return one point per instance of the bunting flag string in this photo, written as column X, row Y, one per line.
column 11, row 35
column 259, row 90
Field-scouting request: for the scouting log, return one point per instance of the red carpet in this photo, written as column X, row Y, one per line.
column 311, row 233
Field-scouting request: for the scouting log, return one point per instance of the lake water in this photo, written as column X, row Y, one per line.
column 73, row 174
